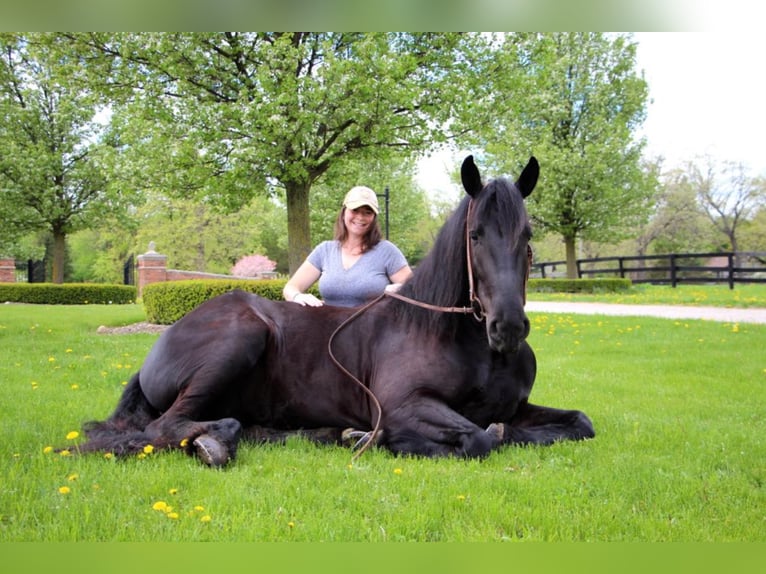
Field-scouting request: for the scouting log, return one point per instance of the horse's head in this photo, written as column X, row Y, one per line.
column 497, row 240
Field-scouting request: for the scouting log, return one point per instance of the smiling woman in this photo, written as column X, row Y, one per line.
column 357, row 265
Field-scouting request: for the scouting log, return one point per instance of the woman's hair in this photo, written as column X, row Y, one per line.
column 370, row 239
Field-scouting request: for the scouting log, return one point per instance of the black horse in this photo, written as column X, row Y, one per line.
column 441, row 368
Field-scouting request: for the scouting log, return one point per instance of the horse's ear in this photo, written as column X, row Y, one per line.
column 528, row 178
column 470, row 176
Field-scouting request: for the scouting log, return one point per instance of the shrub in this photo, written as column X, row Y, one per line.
column 67, row 293
column 167, row 302
column 253, row 266
column 579, row 285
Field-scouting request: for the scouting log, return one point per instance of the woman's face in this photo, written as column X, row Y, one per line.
column 359, row 220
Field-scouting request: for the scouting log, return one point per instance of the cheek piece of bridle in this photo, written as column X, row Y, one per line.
column 476, row 308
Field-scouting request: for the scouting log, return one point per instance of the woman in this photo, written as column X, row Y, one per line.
column 357, row 265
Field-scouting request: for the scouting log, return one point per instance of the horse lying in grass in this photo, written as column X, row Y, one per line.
column 440, row 368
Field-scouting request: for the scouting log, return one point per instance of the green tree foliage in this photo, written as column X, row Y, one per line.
column 224, row 116
column 51, row 162
column 574, row 100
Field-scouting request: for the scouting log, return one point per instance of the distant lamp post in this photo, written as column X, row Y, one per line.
column 386, row 197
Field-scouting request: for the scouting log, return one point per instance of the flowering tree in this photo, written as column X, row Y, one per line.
column 253, row 265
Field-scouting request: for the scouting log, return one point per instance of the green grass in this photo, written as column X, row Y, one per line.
column 679, row 408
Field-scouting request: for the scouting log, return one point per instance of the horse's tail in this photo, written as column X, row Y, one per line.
column 123, row 432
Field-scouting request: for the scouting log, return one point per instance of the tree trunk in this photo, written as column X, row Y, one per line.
column 59, row 255
column 298, row 224
column 569, row 243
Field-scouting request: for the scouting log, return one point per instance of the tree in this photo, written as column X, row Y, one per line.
column 223, row 116
column 727, row 194
column 576, row 106
column 678, row 223
column 51, row 175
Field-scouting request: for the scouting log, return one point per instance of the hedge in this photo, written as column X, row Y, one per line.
column 67, row 293
column 165, row 303
column 579, row 285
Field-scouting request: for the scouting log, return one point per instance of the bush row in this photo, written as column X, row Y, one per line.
column 67, row 293
column 613, row 285
column 167, row 302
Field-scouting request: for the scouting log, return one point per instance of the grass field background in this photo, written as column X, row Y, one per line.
column 679, row 409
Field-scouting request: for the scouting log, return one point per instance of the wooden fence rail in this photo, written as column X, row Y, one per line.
column 673, row 268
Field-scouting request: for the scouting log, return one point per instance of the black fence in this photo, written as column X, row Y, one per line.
column 672, row 269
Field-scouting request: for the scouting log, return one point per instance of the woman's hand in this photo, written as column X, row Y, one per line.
column 393, row 287
column 307, row 300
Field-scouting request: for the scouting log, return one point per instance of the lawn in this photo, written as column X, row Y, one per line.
column 679, row 409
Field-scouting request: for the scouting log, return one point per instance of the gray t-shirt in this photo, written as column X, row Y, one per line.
column 363, row 281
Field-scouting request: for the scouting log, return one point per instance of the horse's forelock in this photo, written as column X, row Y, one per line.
column 501, row 204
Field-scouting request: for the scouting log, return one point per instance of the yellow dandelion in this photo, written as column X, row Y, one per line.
column 397, row 471
column 148, row 449
column 291, row 524
column 75, row 387
column 68, row 351
column 141, row 455
column 48, row 450
column 72, row 435
column 124, row 383
column 64, row 490
column 34, row 385
column 199, row 508
column 461, row 497
column 184, row 442
column 108, row 455
column 173, row 515
column 65, row 452
column 205, row 518
column 51, row 359
column 160, row 505
column 72, row 477
column 173, row 491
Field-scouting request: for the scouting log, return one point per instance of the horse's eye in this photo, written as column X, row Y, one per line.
column 474, row 235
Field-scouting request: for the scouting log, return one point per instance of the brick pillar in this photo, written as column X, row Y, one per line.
column 7, row 270
column 152, row 268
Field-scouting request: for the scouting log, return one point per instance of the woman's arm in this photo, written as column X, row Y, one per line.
column 398, row 278
column 302, row 279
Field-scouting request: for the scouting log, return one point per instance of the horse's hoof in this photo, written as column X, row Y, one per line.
column 496, row 431
column 210, row 451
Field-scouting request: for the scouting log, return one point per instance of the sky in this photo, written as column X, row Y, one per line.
column 707, row 96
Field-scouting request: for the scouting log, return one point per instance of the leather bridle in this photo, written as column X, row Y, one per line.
column 476, row 306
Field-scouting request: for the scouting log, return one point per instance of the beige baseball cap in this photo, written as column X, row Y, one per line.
column 359, row 196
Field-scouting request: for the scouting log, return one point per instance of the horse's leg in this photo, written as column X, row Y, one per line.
column 533, row 424
column 213, row 441
column 427, row 426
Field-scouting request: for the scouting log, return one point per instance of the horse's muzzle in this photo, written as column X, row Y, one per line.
column 506, row 335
